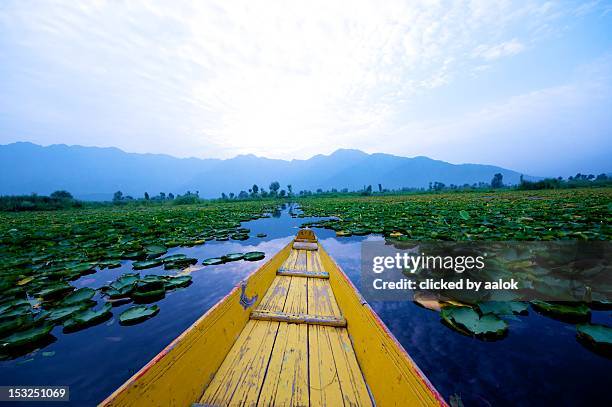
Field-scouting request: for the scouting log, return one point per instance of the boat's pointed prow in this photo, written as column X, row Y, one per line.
column 308, row 338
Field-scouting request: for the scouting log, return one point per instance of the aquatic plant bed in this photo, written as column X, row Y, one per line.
column 42, row 252
column 504, row 215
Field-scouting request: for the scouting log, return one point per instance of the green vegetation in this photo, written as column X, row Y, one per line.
column 57, row 200
column 41, row 252
column 504, row 215
column 137, row 313
column 469, row 322
column 596, row 337
column 480, row 218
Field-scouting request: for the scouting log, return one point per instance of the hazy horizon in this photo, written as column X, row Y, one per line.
column 521, row 85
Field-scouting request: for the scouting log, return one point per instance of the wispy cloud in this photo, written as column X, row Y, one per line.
column 504, row 49
column 274, row 78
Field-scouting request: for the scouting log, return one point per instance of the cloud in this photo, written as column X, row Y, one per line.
column 507, row 48
column 551, row 131
column 215, row 79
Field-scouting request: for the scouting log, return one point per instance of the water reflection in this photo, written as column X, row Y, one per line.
column 539, row 357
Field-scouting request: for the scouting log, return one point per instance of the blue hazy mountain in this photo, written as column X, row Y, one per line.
column 95, row 173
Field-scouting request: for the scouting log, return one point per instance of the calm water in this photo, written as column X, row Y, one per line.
column 540, row 362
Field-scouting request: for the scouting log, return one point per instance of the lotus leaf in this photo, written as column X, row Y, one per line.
column 146, row 264
column 87, row 318
column 467, row 321
column 173, row 257
column 148, row 296
column 26, row 337
column 80, row 295
column 503, row 307
column 233, row 257
column 597, row 337
column 55, row 291
column 569, row 312
column 154, row 251
column 60, row 314
column 137, row 314
column 213, row 261
column 180, row 263
column 254, row 256
column 176, row 282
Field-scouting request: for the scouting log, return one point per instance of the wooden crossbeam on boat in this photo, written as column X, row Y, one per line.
column 303, row 273
column 300, row 340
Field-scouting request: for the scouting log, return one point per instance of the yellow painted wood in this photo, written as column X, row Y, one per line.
column 309, row 319
column 286, row 382
column 227, row 359
column 318, row 262
column 275, row 298
column 352, row 383
column 239, row 379
column 297, row 298
column 303, row 273
column 178, row 375
column 324, row 382
column 392, row 377
column 321, row 299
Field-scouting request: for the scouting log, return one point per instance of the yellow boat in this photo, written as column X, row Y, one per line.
column 295, row 332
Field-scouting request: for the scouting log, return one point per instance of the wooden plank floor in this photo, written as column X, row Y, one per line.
column 292, row 364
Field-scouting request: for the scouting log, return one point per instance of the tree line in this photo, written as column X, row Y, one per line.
column 64, row 199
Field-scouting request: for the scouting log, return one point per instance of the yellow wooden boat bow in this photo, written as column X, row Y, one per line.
column 295, row 332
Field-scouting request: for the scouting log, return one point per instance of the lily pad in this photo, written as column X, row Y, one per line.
column 596, row 337
column 233, row 257
column 177, row 282
column 63, row 313
column 137, row 314
column 213, row 261
column 169, row 259
column 55, row 291
column 503, row 307
column 145, row 297
column 464, row 215
column 150, row 283
column 180, row 263
column 80, row 295
column 154, row 251
column 26, row 337
column 146, row 264
column 15, row 324
column 88, row 318
column 568, row 312
column 468, row 322
column 254, row 256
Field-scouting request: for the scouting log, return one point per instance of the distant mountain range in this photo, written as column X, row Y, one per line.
column 94, row 173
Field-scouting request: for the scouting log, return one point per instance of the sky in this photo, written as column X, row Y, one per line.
column 526, row 85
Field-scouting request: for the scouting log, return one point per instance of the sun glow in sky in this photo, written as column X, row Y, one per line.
column 521, row 84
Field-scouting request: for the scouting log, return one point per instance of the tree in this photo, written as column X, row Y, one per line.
column 117, row 196
column 255, row 189
column 274, row 186
column 243, row 195
column 62, row 195
column 497, row 181
column 379, row 187
column 147, row 196
column 231, row 195
column 162, row 196
column 289, row 189
column 170, row 195
column 223, row 196
column 282, row 193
